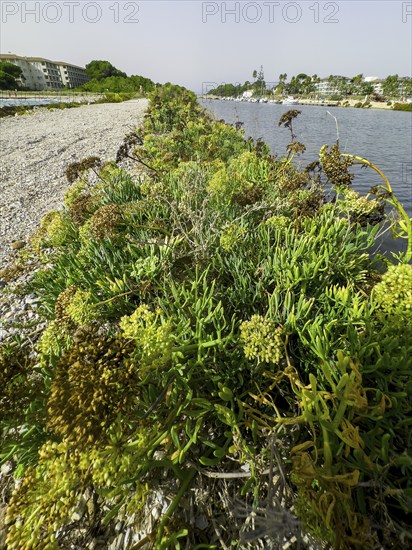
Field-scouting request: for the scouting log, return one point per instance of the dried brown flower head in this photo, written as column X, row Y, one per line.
column 95, row 382
column 131, row 141
column 296, row 147
column 82, row 208
column 105, row 221
column 63, row 301
column 334, row 166
column 74, row 170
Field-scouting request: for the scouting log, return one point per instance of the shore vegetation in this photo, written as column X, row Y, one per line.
column 225, row 361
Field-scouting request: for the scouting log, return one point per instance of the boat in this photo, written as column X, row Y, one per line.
column 290, row 100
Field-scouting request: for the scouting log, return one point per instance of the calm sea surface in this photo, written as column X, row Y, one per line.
column 381, row 136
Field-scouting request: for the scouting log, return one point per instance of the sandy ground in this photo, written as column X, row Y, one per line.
column 36, row 149
column 348, row 103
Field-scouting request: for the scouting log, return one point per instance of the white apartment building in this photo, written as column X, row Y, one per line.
column 325, row 87
column 44, row 74
column 71, row 75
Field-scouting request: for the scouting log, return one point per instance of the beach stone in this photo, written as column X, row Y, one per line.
column 16, row 245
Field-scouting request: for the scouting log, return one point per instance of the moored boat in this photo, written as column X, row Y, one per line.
column 290, row 100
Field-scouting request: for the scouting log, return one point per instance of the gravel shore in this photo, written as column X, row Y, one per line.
column 36, row 149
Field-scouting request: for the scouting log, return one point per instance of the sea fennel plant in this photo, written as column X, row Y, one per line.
column 220, row 342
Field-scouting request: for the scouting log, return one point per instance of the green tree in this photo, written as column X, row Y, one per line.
column 97, row 70
column 406, row 85
column 260, row 84
column 366, row 88
column 390, row 86
column 298, row 84
column 11, row 69
column 308, row 85
column 7, row 82
column 301, row 84
column 355, row 84
column 357, row 79
column 227, row 90
column 9, row 75
column 280, row 88
column 333, row 81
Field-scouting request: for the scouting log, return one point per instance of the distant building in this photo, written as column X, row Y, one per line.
column 326, row 86
column 342, row 85
column 323, row 87
column 376, row 83
column 71, row 75
column 405, row 86
column 43, row 74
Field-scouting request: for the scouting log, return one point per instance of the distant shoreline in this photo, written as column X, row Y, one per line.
column 354, row 103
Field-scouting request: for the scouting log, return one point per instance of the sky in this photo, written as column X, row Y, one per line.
column 201, row 44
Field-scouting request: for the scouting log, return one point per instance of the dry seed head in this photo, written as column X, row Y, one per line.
column 105, row 221
column 335, row 166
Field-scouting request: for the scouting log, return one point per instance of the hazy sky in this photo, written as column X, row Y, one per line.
column 196, row 43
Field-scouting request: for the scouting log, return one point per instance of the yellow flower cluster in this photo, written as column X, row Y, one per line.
column 82, row 208
column 72, row 308
column 219, row 183
column 151, row 190
column 152, row 337
column 278, row 222
column 60, row 307
column 231, row 235
column 18, row 383
column 262, row 340
column 242, row 180
column 359, row 208
column 49, row 495
column 46, row 497
column 54, row 230
column 394, row 292
column 114, row 464
column 53, row 341
column 80, row 309
column 74, row 192
column 109, row 169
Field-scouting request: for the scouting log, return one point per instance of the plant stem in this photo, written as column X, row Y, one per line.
column 115, row 297
column 175, row 502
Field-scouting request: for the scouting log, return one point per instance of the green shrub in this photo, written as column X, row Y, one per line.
column 402, row 107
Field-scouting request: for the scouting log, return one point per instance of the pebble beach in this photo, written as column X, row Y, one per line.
column 37, row 148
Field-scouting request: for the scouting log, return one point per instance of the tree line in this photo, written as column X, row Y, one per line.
column 393, row 86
